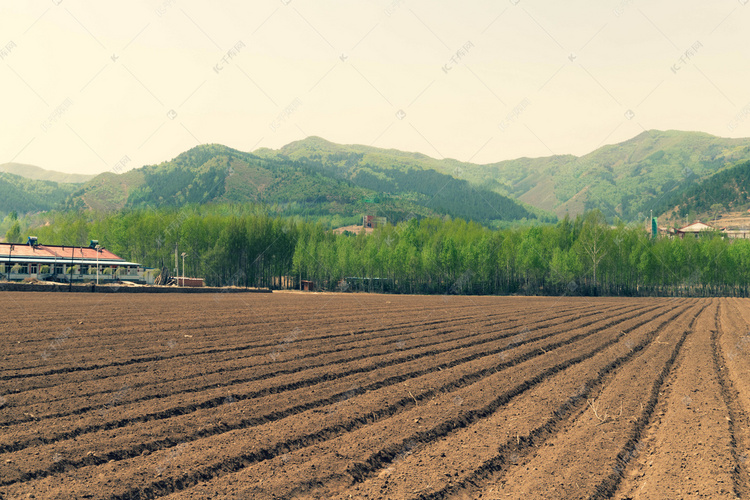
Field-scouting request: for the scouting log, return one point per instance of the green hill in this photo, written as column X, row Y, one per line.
column 317, row 178
column 303, row 185
column 27, row 195
column 624, row 180
column 725, row 191
column 39, row 174
column 437, row 184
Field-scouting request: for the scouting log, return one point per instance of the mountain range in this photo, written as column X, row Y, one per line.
column 661, row 171
column 298, row 187
column 35, row 173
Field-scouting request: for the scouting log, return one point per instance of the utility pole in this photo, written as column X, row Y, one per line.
column 72, row 267
column 183, row 267
column 9, row 255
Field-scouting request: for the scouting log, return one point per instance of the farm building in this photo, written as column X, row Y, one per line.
column 65, row 263
column 695, row 230
column 736, row 234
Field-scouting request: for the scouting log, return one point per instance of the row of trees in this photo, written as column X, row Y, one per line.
column 582, row 256
column 243, row 245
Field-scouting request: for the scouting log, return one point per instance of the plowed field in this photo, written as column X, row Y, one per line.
column 332, row 396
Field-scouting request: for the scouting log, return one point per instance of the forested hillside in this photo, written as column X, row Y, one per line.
column 624, row 180
column 722, row 192
column 308, row 188
column 337, row 184
column 25, row 195
column 393, row 172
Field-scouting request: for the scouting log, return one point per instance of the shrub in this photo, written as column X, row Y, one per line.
column 44, row 269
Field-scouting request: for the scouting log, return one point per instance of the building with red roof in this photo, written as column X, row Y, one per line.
column 65, row 263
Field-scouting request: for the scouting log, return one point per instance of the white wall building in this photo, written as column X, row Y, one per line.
column 65, row 263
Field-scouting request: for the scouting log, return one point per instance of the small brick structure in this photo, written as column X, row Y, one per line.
column 191, row 282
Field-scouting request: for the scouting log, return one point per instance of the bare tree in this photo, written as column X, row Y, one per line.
column 593, row 240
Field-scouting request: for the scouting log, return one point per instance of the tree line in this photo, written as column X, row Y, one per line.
column 244, row 245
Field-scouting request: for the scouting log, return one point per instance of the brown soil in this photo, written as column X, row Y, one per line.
column 373, row 396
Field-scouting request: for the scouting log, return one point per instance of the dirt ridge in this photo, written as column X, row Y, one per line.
column 218, row 401
column 740, row 476
column 539, row 435
column 311, row 354
column 343, row 396
column 359, row 470
column 400, row 405
column 608, row 487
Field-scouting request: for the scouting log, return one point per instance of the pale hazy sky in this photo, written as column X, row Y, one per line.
column 86, row 84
